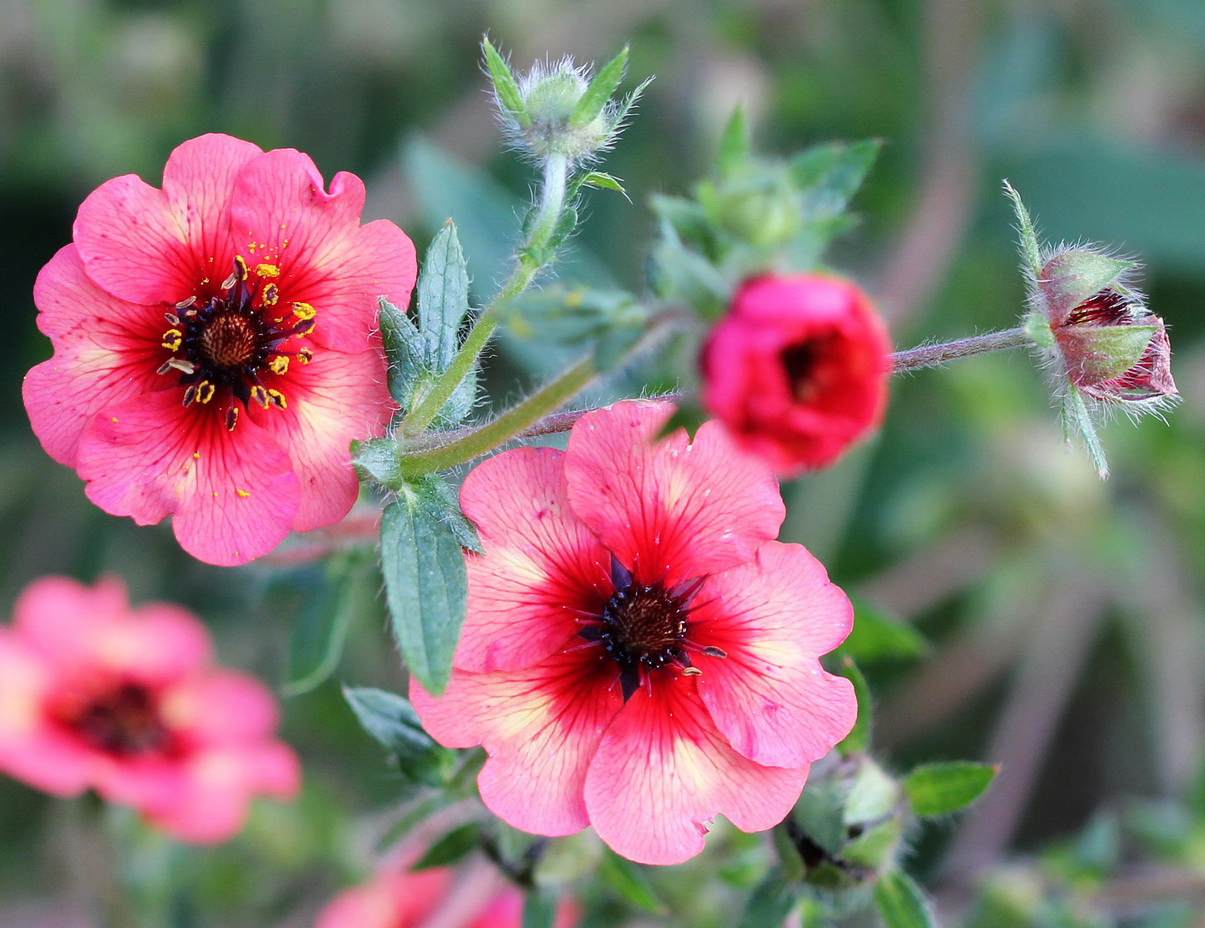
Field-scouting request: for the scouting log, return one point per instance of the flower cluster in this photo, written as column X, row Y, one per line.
column 639, row 654
column 96, row 695
column 214, row 346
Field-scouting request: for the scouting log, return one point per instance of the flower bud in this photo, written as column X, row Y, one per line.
column 560, row 110
column 755, row 204
column 1098, row 334
column 797, row 369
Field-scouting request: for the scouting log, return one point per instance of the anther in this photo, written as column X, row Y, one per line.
column 190, row 394
column 305, row 356
column 231, row 418
column 260, row 395
column 267, row 270
column 279, row 364
column 172, row 318
column 172, row 339
column 304, row 311
column 204, row 391
column 271, row 295
column 278, row 399
column 184, row 304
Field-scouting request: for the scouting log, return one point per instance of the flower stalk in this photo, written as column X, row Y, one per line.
column 533, row 256
column 914, row 359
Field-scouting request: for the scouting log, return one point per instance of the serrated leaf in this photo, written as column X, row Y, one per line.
column 442, row 501
column 539, row 909
column 901, row 903
column 939, row 789
column 321, row 630
column 599, row 91
column 504, row 83
column 425, row 586
column 858, row 740
column 443, row 297
column 627, row 879
column 770, row 903
column 829, row 175
column 450, row 849
column 405, row 351
column 393, row 723
column 379, row 460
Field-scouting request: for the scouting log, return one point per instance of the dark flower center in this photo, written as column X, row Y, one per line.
column 123, row 720
column 808, row 366
column 1108, row 307
column 227, row 346
column 645, row 627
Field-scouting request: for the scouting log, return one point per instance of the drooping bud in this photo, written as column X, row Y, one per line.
column 1101, row 346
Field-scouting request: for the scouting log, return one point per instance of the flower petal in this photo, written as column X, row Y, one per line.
column 221, row 707
column 540, row 563
column 92, row 628
column 106, row 351
column 769, row 696
column 669, row 509
column 332, row 400
column 233, row 495
column 283, row 216
column 662, row 772
column 540, row 727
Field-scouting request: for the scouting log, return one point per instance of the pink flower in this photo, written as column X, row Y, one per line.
column 797, row 369
column 94, row 694
column 639, row 655
column 397, row 899
column 214, row 352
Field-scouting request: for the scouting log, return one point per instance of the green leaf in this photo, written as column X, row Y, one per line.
column 378, row 460
column 392, row 721
column 858, row 740
column 406, row 352
column 443, row 296
column 627, row 879
column 504, row 83
column 687, row 415
column 939, row 789
column 539, row 909
column 449, row 849
column 682, row 274
column 441, row 501
column 425, row 587
column 734, row 143
column 1025, row 229
column 599, row 91
column 770, row 903
column 321, row 629
column 875, row 637
column 829, row 175
column 901, row 903
column 1076, row 417
column 602, row 181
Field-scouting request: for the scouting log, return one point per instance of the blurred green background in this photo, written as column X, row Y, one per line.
column 1062, row 616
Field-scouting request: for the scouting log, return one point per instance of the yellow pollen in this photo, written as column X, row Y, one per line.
column 240, row 267
column 172, row 339
column 204, row 391
column 305, row 356
column 279, row 364
column 196, row 455
column 231, row 419
column 260, row 395
column 271, row 295
column 278, row 398
column 304, row 311
column 267, row 270
column 243, row 493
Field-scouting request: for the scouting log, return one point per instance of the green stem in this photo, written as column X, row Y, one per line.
column 475, row 442
column 932, row 355
column 530, row 261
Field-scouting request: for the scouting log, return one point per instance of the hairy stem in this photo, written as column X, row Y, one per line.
column 531, row 260
column 915, row 359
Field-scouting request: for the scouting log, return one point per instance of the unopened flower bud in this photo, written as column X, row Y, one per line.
column 560, row 110
column 755, row 205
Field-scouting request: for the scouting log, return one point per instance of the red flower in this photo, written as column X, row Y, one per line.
column 638, row 654
column 397, row 899
column 797, row 369
column 214, row 345
column 96, row 695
